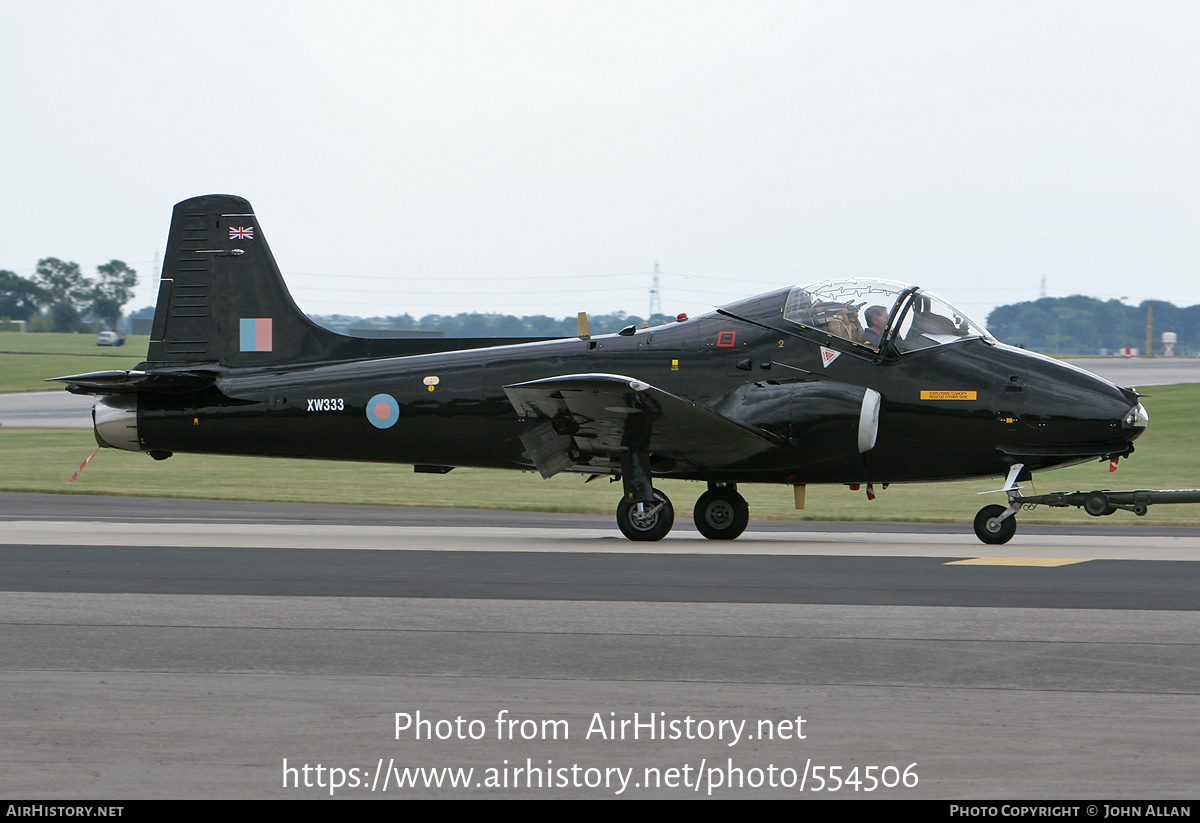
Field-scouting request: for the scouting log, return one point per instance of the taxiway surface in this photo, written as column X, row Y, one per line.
column 172, row 648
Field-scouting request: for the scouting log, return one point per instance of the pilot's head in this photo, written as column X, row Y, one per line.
column 876, row 317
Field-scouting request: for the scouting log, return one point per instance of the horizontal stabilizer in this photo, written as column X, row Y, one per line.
column 134, row 381
column 606, row 415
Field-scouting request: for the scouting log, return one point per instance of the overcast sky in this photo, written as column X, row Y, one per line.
column 539, row 157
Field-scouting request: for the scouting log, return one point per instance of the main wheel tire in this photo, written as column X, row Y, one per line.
column 993, row 531
column 641, row 526
column 721, row 514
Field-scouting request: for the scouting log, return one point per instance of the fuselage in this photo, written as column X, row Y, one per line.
column 967, row 409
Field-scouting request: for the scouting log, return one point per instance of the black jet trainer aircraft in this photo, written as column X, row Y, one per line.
column 853, row 382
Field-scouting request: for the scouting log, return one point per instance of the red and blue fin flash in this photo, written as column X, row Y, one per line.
column 255, row 334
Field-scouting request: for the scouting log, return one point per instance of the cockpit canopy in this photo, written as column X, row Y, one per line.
column 871, row 312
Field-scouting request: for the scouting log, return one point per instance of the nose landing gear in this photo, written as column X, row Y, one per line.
column 996, row 524
column 992, row 530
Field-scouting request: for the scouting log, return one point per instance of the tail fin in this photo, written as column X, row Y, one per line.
column 222, row 299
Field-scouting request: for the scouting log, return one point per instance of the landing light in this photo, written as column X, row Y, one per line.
column 1136, row 418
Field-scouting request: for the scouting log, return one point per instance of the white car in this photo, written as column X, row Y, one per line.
column 109, row 338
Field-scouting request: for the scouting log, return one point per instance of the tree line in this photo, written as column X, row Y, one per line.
column 474, row 324
column 61, row 298
column 1085, row 325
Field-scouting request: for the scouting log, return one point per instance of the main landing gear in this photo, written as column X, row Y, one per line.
column 720, row 514
column 646, row 521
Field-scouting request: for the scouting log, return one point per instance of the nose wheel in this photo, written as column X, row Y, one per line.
column 991, row 529
column 646, row 521
column 721, row 514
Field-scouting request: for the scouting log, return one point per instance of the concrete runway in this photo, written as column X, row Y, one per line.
column 172, row 648
column 59, row 409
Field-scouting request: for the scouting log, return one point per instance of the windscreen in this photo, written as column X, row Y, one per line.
column 930, row 321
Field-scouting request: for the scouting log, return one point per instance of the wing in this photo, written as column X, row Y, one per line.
column 591, row 419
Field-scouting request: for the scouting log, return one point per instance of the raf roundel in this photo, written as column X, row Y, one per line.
column 383, row 411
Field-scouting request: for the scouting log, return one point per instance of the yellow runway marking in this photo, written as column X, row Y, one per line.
column 1019, row 561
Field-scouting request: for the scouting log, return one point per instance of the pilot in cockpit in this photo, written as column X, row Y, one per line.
column 876, row 319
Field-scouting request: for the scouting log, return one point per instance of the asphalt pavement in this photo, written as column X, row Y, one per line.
column 199, row 649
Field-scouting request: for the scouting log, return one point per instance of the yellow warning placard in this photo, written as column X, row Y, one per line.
column 948, row 395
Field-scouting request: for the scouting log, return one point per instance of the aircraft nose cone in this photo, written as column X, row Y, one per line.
column 1070, row 411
